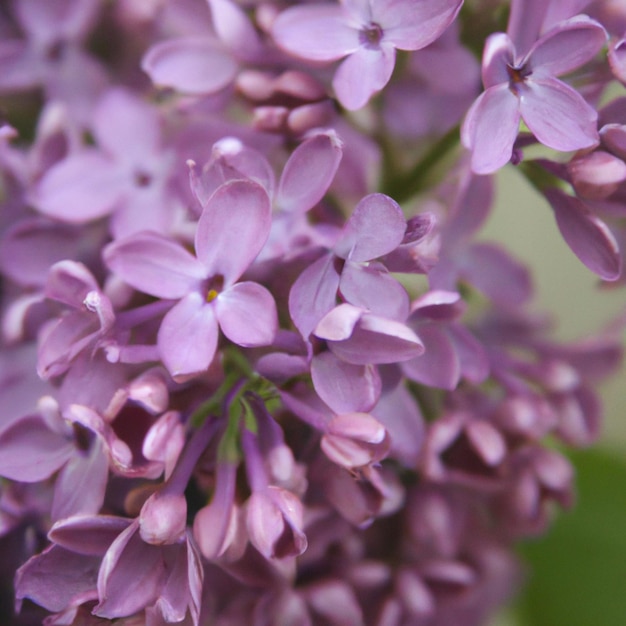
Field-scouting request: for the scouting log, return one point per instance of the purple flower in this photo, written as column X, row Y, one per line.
column 527, row 87
column 367, row 32
column 232, row 230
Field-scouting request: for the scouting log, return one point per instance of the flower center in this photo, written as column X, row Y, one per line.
column 517, row 76
column 214, row 286
column 371, row 35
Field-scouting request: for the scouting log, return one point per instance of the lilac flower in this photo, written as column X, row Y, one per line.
column 527, row 87
column 51, row 54
column 127, row 174
column 232, row 230
column 368, row 33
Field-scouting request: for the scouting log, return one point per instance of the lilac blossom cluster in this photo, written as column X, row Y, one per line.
column 256, row 367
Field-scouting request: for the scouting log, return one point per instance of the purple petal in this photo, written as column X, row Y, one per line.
column 20, row 68
column 439, row 366
column 187, row 337
column 492, row 271
column 373, row 288
column 53, row 242
column 320, row 33
column 130, row 576
column 70, row 282
column 471, row 353
column 376, row 340
column 498, row 56
column 344, row 387
column 490, row 129
column 30, row 451
column 376, row 227
column 174, row 596
column 617, row 59
column 588, row 237
column 155, row 265
column 247, row 314
column 398, row 412
column 558, row 115
column 90, row 535
column 413, row 24
column 339, row 323
column 232, row 229
column 81, row 188
column 235, row 29
column 182, row 64
column 362, row 74
column 81, row 483
column 211, row 524
column 126, row 126
column 566, row 47
column 313, row 294
column 57, row 578
column 309, row 171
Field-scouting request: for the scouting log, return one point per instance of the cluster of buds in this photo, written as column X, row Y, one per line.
column 255, row 366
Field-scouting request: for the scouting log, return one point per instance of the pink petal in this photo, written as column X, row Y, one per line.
column 70, row 282
column 362, row 74
column 31, row 452
column 490, row 129
column 155, row 265
column 500, row 277
column 91, row 535
column 81, row 188
column 313, row 294
column 439, row 365
column 130, row 576
column 81, row 483
column 184, row 63
column 378, row 340
column 321, row 33
column 566, row 47
column 413, row 24
column 558, row 115
column 247, row 314
column 57, row 578
column 588, row 237
column 498, row 56
column 373, row 288
column 344, row 387
column 309, row 171
column 375, row 228
column 126, row 126
column 233, row 228
column 187, row 337
column 235, row 29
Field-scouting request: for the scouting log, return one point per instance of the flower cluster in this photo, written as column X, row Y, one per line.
column 255, row 366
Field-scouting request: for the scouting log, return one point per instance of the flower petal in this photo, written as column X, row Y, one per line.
column 588, row 237
column 233, row 227
column 320, row 33
column 309, row 172
column 187, row 337
column 80, row 188
column 376, row 227
column 183, row 65
column 558, row 115
column 345, row 387
column 362, row 74
column 490, row 129
column 155, row 265
column 567, row 46
column 247, row 314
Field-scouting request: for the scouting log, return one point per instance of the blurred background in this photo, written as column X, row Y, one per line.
column 577, row 572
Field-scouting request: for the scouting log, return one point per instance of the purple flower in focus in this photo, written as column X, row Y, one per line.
column 367, row 32
column 232, row 230
column 526, row 87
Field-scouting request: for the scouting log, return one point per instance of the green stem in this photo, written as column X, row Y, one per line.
column 406, row 185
